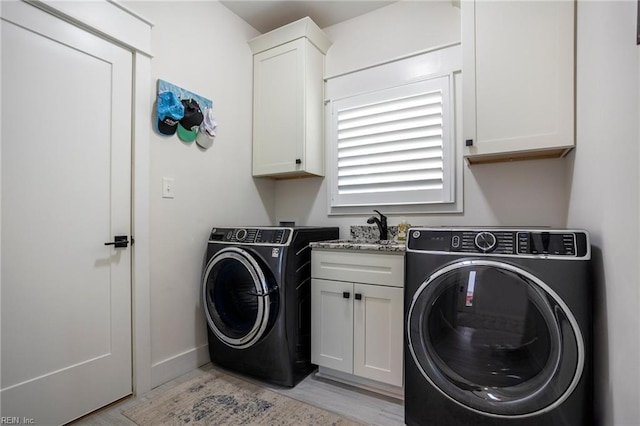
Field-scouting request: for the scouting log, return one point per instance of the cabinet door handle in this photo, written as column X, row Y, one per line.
column 298, row 161
column 346, row 294
column 358, row 296
column 468, row 142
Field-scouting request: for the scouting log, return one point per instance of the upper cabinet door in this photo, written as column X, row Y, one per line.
column 518, row 79
column 278, row 110
column 288, row 101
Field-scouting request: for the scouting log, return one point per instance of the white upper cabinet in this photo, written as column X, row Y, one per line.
column 288, row 95
column 518, row 79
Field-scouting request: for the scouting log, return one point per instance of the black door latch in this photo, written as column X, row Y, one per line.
column 119, row 241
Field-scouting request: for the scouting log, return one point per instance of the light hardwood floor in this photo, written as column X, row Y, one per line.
column 353, row 403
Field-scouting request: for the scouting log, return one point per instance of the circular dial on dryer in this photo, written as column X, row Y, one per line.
column 241, row 234
column 485, row 241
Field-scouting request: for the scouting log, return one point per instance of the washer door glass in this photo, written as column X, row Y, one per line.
column 495, row 339
column 241, row 298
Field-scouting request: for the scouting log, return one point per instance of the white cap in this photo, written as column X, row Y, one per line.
column 207, row 130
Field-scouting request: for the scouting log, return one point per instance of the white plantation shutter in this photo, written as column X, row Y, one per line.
column 394, row 146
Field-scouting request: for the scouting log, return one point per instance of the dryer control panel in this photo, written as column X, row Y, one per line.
column 501, row 241
column 262, row 236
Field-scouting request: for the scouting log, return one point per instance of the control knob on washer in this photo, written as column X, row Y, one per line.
column 485, row 241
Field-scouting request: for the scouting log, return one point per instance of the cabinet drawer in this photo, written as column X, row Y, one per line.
column 370, row 268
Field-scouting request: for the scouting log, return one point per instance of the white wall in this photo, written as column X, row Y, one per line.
column 200, row 46
column 520, row 193
column 604, row 196
column 390, row 32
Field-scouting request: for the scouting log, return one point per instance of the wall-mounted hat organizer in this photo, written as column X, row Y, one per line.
column 180, row 111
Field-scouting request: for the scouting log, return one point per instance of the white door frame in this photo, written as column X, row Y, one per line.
column 120, row 25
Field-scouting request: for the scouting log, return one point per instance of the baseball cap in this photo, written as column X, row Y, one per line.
column 170, row 111
column 188, row 125
column 207, row 130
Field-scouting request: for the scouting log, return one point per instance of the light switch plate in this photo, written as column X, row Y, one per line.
column 167, row 188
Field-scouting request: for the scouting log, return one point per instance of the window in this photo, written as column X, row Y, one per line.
column 392, row 140
column 392, row 146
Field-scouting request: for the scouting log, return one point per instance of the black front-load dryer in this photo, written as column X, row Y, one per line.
column 498, row 327
column 257, row 300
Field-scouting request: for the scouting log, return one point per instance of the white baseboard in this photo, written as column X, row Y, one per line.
column 178, row 365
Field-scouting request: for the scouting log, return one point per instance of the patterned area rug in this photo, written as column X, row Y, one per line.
column 215, row 398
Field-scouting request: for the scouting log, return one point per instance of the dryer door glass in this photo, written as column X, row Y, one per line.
column 495, row 339
column 240, row 297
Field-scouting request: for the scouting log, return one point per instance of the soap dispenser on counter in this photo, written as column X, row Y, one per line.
column 403, row 227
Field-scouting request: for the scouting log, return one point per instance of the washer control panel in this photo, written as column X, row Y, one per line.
column 563, row 244
column 501, row 241
column 266, row 236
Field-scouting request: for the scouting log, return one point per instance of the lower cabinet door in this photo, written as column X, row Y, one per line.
column 332, row 324
column 377, row 333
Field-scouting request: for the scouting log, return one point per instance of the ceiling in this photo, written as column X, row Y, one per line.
column 266, row 15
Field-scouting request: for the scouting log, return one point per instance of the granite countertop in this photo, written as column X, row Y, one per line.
column 361, row 244
column 365, row 237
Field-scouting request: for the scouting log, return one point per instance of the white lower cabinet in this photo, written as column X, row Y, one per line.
column 357, row 327
column 332, row 324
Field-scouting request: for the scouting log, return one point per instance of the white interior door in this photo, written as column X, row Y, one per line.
column 65, row 191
